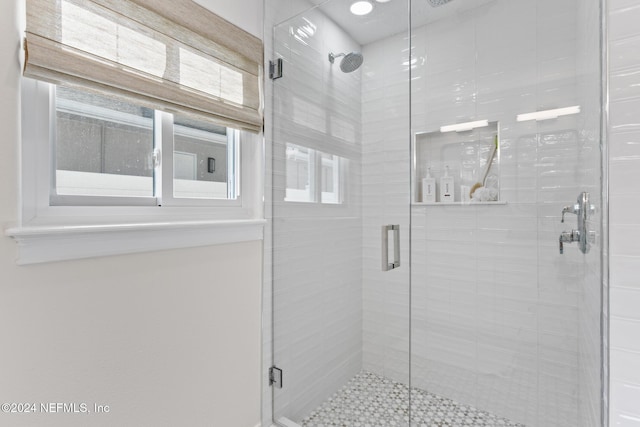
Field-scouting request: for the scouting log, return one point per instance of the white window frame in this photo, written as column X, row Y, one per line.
column 48, row 134
column 47, row 232
column 165, row 133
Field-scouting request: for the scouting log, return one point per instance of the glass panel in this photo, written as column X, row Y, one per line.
column 341, row 324
column 492, row 324
column 103, row 147
column 504, row 327
column 202, row 167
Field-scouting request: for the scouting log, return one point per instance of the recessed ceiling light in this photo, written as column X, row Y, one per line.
column 361, row 8
column 383, row 1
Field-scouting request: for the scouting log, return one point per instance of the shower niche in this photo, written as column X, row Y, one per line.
column 459, row 165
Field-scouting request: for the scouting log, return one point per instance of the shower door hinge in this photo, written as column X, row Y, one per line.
column 275, row 377
column 275, row 69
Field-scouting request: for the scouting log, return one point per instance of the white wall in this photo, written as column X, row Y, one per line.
column 246, row 14
column 624, row 143
column 167, row 338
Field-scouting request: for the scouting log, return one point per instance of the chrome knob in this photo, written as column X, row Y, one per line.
column 568, row 237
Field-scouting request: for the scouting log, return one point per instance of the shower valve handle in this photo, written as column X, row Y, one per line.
column 583, row 209
column 568, row 237
column 575, row 209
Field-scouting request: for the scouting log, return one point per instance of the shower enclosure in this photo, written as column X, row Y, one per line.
column 423, row 159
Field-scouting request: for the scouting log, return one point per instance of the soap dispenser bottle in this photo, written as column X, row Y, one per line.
column 447, row 192
column 428, row 187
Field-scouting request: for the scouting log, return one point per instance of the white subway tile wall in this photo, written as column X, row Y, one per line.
column 624, row 163
column 500, row 320
column 385, row 200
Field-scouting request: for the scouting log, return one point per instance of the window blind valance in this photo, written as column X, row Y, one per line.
column 172, row 55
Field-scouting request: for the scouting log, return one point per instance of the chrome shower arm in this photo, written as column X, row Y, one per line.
column 332, row 56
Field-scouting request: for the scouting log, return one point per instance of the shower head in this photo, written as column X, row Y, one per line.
column 351, row 61
column 436, row 3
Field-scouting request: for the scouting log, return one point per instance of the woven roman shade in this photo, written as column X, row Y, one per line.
column 172, row 55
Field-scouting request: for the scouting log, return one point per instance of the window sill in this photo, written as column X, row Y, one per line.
column 39, row 244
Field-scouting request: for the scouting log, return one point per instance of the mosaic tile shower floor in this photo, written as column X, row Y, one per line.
column 369, row 400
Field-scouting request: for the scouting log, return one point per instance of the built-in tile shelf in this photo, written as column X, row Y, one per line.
column 498, row 202
column 462, row 155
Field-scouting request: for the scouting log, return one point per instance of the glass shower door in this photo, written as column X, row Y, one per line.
column 341, row 194
column 505, row 324
column 422, row 165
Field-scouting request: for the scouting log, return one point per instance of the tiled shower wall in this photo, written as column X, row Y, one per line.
column 525, row 356
column 385, row 201
column 495, row 309
column 624, row 143
column 624, row 161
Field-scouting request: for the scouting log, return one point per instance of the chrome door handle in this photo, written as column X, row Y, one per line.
column 386, row 265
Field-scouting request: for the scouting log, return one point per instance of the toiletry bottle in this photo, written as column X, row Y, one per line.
column 447, row 192
column 428, row 187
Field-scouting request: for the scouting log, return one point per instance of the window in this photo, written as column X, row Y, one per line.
column 113, row 152
column 313, row 176
column 151, row 138
column 205, row 160
column 102, row 177
column 102, row 148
